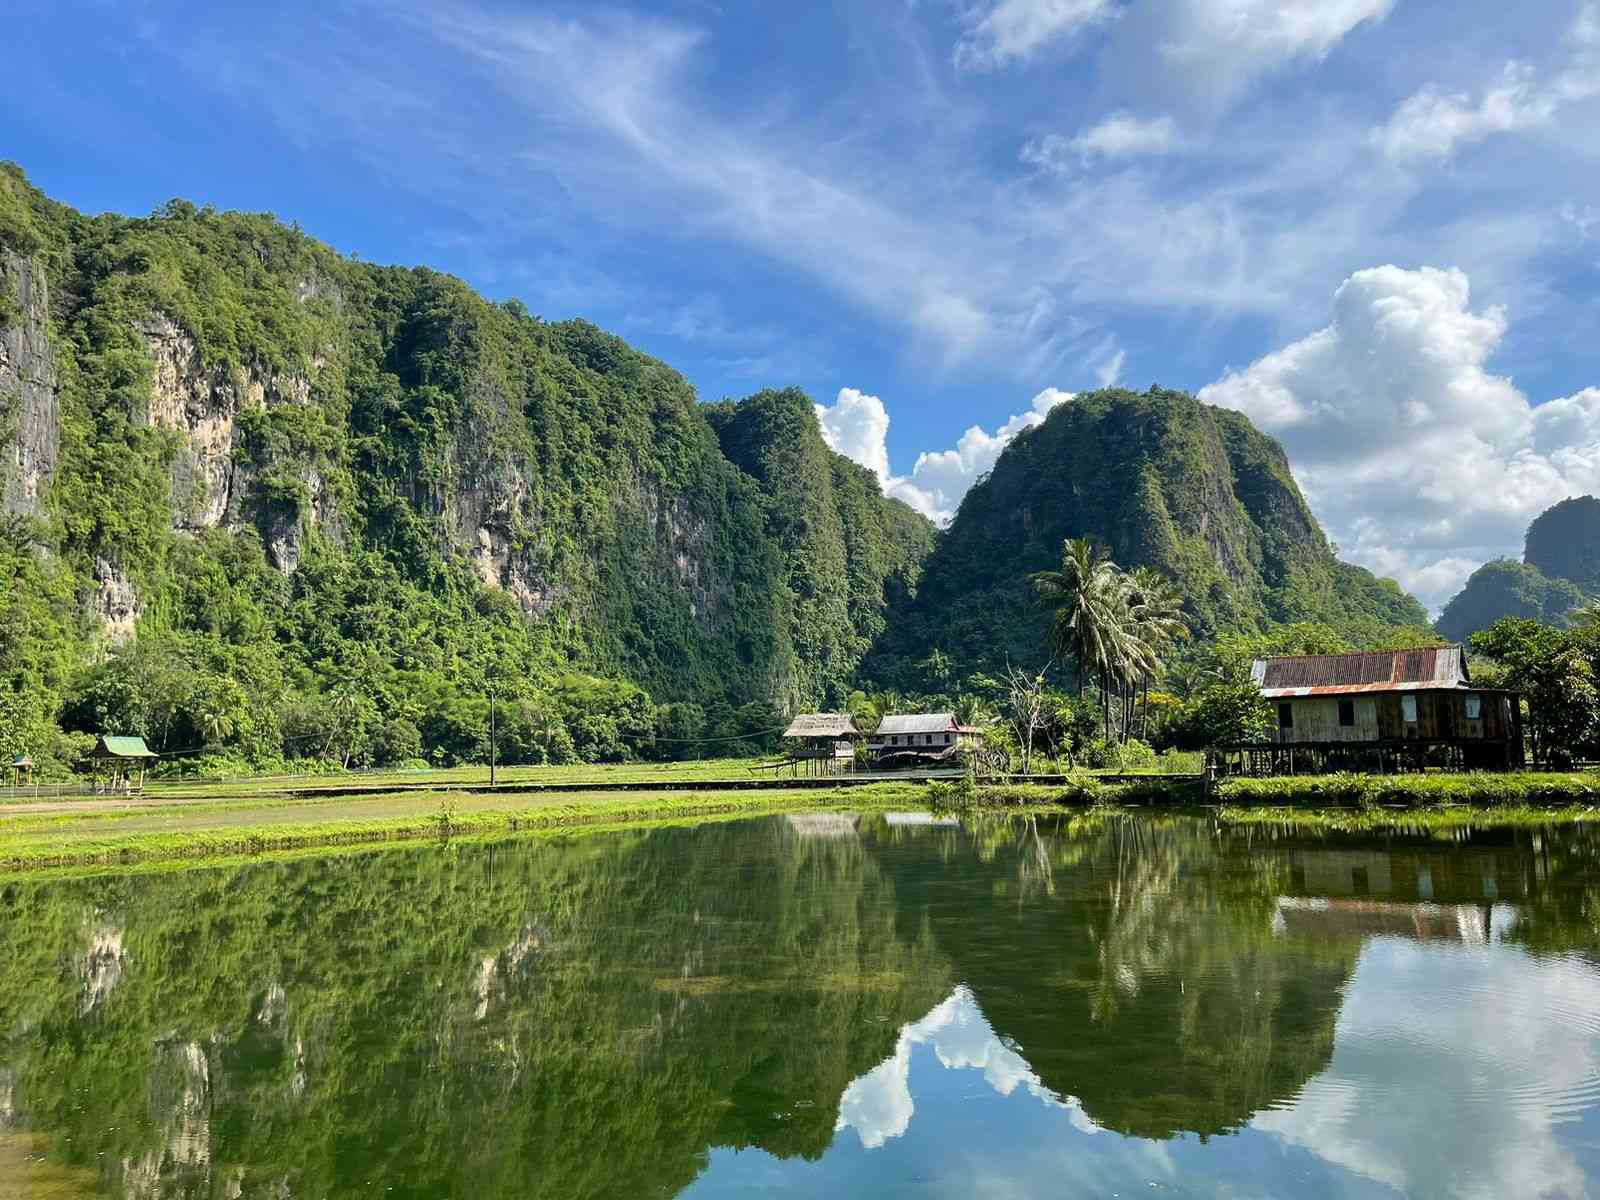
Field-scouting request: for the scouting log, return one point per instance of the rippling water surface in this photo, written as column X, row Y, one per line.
column 818, row 1005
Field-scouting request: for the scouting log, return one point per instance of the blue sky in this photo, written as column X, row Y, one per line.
column 1373, row 225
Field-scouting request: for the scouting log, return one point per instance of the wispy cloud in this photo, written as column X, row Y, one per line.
column 1121, row 135
column 1002, row 32
column 1432, row 124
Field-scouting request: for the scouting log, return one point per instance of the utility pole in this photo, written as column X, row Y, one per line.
column 491, row 737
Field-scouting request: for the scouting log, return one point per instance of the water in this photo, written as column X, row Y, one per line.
column 817, row 1006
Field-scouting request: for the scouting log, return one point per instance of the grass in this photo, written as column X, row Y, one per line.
column 588, row 774
column 1445, row 821
column 222, row 827
column 1477, row 789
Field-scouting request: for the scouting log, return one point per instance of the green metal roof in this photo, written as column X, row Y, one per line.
column 123, row 747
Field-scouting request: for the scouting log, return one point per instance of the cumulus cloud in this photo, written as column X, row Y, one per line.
column 1421, row 462
column 857, row 426
column 1121, row 135
column 1007, row 31
column 1432, row 123
column 879, row 1105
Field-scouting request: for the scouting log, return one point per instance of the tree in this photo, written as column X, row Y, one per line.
column 1554, row 670
column 1083, row 593
column 1028, row 703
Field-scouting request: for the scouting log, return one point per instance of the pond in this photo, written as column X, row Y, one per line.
column 817, row 1005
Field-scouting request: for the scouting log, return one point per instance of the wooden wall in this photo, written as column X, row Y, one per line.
column 1380, row 717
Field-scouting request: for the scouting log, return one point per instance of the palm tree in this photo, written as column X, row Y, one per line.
column 1156, row 619
column 1116, row 625
column 1084, row 595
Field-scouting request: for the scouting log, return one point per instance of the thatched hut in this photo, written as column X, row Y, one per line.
column 823, row 743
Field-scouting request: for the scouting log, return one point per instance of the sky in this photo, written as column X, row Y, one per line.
column 1371, row 225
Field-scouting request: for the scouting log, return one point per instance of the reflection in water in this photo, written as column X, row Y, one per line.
column 816, row 1004
column 878, row 1105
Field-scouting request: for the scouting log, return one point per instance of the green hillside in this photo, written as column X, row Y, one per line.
column 1559, row 571
column 1161, row 480
column 305, row 498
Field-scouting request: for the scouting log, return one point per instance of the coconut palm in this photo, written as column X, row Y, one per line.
column 1112, row 624
column 1084, row 594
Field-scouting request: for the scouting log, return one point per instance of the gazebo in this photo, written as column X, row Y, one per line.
column 826, row 742
column 21, row 771
column 119, row 763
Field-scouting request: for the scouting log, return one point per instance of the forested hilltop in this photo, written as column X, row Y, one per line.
column 264, row 498
column 1159, row 480
column 1558, row 574
column 273, row 504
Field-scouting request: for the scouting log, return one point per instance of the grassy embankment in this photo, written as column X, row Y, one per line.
column 1354, row 802
column 210, row 828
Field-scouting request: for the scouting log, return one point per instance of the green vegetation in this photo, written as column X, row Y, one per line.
column 1166, row 482
column 1556, row 671
column 1448, row 821
column 1483, row 790
column 219, row 828
column 1564, row 543
column 340, row 502
column 295, row 513
column 1560, row 569
column 1506, row 588
column 1115, row 626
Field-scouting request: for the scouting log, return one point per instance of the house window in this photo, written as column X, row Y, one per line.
column 1347, row 713
column 1285, row 716
column 1408, row 709
column 1474, row 703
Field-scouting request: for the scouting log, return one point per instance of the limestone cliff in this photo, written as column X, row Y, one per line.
column 30, row 383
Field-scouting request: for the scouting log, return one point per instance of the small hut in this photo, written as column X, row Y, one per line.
column 119, row 763
column 21, row 771
column 822, row 743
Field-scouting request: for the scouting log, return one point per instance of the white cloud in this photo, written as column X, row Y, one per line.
column 1420, row 462
column 1110, row 371
column 879, row 1105
column 857, row 426
column 1585, row 219
column 1431, row 124
column 1008, row 31
column 1256, row 35
column 1121, row 135
column 1205, row 54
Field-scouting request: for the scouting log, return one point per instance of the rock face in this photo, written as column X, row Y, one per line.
column 1158, row 479
column 30, row 409
column 215, row 481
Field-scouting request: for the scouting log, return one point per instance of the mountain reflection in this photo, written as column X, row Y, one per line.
column 814, row 1003
column 879, row 1106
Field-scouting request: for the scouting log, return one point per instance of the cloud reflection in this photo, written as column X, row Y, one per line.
column 1452, row 1069
column 879, row 1106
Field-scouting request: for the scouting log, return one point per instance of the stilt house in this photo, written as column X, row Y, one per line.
column 1382, row 710
column 823, row 743
column 920, row 739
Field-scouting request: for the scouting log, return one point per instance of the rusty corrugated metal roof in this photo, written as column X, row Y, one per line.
column 1368, row 671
